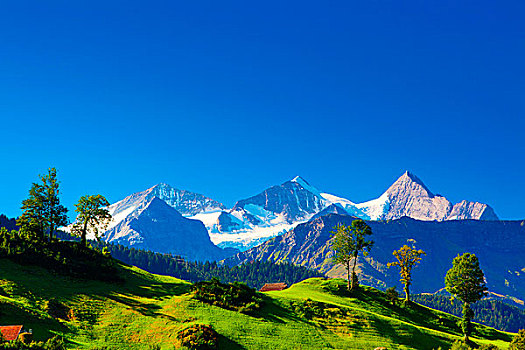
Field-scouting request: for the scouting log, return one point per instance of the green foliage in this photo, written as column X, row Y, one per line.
column 347, row 243
column 69, row 258
column 233, row 296
column 392, row 295
column 466, row 281
column 310, row 309
column 199, row 337
column 42, row 209
column 492, row 313
column 407, row 258
column 518, row 342
column 92, row 217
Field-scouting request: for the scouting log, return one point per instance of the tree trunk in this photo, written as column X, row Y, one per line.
column 348, row 273
column 467, row 316
column 84, row 233
column 407, row 293
column 353, row 273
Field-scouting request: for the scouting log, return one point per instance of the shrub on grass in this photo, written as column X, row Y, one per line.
column 392, row 295
column 488, row 347
column 56, row 309
column 232, row 296
column 198, row 337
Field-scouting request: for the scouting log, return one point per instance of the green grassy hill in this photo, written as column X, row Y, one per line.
column 149, row 309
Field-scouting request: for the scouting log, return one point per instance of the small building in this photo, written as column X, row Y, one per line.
column 10, row 333
column 273, row 286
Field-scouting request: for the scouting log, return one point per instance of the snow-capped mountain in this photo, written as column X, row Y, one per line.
column 154, row 225
column 409, row 196
column 273, row 211
column 157, row 219
column 278, row 209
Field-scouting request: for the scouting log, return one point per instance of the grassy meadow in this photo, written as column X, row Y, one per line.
column 146, row 311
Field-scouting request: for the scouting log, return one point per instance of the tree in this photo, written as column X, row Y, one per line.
column 466, row 281
column 348, row 242
column 55, row 214
column 42, row 209
column 407, row 259
column 93, row 217
column 31, row 221
column 518, row 342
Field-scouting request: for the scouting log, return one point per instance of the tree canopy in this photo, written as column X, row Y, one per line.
column 92, row 217
column 466, row 281
column 348, row 242
column 407, row 258
column 42, row 209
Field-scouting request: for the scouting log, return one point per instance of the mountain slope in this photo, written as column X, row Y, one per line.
column 499, row 246
column 148, row 310
column 156, row 226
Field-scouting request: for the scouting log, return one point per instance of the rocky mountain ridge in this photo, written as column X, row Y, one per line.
column 280, row 208
column 499, row 246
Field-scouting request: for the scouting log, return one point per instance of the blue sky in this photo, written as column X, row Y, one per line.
column 228, row 98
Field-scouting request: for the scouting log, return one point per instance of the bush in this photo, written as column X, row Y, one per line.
column 233, row 296
column 56, row 309
column 518, row 342
column 392, row 295
column 488, row 347
column 199, row 337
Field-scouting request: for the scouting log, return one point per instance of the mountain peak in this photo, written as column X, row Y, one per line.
column 299, row 179
column 409, row 177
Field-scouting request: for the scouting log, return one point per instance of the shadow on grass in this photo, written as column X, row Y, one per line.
column 225, row 343
column 273, row 311
column 410, row 336
column 146, row 309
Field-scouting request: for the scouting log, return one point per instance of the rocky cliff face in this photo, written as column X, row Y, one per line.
column 156, row 226
column 294, row 200
column 499, row 246
column 465, row 210
column 185, row 202
column 409, row 196
column 279, row 209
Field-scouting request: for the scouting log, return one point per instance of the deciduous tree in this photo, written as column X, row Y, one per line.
column 348, row 242
column 407, row 258
column 42, row 209
column 92, row 217
column 466, row 281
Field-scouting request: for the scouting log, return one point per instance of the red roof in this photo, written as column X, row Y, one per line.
column 273, row 286
column 10, row 332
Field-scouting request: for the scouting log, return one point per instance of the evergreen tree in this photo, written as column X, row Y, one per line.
column 407, row 259
column 348, row 242
column 93, row 217
column 466, row 281
column 55, row 214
